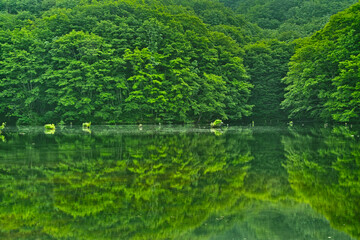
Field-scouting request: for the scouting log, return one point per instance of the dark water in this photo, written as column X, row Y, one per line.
column 180, row 183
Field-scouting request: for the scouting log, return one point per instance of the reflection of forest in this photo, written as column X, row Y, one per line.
column 185, row 185
column 324, row 171
column 108, row 186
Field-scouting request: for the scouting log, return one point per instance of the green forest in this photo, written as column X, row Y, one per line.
column 179, row 61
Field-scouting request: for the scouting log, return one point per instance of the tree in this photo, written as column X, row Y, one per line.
column 322, row 80
column 75, row 83
column 267, row 63
column 21, row 77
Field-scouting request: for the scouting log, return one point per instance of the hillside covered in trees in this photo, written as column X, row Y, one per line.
column 178, row 61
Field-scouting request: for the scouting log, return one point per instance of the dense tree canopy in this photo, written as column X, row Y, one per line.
column 267, row 65
column 290, row 19
column 118, row 62
column 323, row 81
column 176, row 61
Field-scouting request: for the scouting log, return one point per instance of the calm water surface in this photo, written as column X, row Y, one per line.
column 175, row 182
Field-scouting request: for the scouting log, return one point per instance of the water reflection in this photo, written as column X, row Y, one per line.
column 324, row 171
column 179, row 183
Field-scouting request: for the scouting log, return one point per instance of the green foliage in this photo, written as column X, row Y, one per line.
column 1, row 128
column 267, row 63
column 323, row 76
column 49, row 126
column 216, row 123
column 86, row 124
column 113, row 62
column 122, row 62
column 291, row 19
column 344, row 102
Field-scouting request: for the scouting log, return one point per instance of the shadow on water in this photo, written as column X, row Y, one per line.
column 179, row 182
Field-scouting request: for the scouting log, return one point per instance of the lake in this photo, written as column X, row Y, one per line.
column 180, row 182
